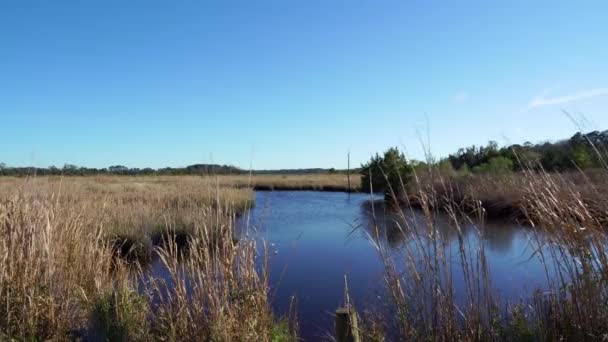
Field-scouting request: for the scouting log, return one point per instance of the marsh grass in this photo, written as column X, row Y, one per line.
column 504, row 196
column 53, row 261
column 574, row 249
column 119, row 314
column 567, row 213
column 212, row 290
column 135, row 211
column 60, row 278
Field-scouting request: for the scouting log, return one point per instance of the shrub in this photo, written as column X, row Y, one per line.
column 496, row 165
column 120, row 315
column 446, row 169
column 281, row 332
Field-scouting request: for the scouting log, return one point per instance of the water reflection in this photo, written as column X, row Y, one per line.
column 396, row 225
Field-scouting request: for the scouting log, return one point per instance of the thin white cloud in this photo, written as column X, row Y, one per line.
column 460, row 97
column 541, row 100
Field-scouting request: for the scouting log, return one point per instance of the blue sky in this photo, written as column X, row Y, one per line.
column 290, row 84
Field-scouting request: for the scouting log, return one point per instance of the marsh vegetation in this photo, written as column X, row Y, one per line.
column 61, row 276
column 439, row 290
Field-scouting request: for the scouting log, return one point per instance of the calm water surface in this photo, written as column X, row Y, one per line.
column 317, row 237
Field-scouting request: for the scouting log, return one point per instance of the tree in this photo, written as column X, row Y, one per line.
column 382, row 173
column 529, row 158
column 118, row 168
column 581, row 157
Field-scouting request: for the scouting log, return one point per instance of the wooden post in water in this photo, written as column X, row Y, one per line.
column 347, row 322
column 347, row 325
column 348, row 171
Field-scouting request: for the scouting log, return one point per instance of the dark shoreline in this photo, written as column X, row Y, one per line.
column 323, row 188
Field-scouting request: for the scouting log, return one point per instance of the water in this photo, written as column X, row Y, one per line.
column 317, row 237
column 315, row 242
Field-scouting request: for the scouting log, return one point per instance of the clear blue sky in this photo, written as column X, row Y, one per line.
column 290, row 84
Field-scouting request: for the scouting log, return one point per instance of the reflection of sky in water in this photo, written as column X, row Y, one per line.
column 317, row 237
column 312, row 234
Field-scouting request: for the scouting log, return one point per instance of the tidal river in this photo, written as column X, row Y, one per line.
column 316, row 238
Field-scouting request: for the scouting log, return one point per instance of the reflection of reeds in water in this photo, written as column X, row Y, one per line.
column 499, row 235
column 569, row 239
column 60, row 279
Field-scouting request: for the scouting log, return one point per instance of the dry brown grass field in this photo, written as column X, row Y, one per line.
column 70, row 258
column 186, row 184
column 137, row 208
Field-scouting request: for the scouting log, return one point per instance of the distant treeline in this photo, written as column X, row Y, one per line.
column 197, row 169
column 392, row 169
column 580, row 151
column 73, row 170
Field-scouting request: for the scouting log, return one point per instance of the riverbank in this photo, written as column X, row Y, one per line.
column 332, row 182
column 510, row 196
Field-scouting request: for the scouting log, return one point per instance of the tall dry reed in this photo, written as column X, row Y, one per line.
column 568, row 236
column 53, row 260
column 60, row 277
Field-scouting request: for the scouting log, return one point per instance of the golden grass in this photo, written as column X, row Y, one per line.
column 134, row 206
column 136, row 210
column 53, row 261
column 60, row 278
column 201, row 190
column 505, row 196
column 216, row 292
